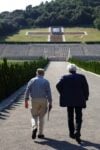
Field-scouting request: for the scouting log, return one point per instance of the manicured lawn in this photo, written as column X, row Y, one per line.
column 92, row 34
column 22, row 37
column 10, row 61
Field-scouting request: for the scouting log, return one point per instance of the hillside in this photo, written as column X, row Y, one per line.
column 54, row 13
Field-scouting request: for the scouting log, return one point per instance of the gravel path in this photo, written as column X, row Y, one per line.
column 15, row 125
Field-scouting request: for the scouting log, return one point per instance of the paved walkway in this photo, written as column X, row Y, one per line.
column 15, row 126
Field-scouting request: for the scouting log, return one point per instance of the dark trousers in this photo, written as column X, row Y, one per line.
column 74, row 120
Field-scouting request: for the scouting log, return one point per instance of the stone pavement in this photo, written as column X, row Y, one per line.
column 15, row 125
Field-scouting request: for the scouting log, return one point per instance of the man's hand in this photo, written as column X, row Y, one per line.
column 50, row 106
column 26, row 104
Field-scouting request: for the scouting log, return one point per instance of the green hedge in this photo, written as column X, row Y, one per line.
column 14, row 75
column 93, row 66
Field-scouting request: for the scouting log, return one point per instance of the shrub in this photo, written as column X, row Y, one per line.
column 14, row 75
column 93, row 66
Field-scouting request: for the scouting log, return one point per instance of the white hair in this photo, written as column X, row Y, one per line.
column 71, row 68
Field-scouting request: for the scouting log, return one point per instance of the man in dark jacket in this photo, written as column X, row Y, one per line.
column 74, row 92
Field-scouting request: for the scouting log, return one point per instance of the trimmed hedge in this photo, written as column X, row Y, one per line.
column 44, row 42
column 14, row 75
column 93, row 66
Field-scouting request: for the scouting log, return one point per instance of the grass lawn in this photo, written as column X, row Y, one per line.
column 12, row 61
column 22, row 37
column 15, row 61
column 92, row 34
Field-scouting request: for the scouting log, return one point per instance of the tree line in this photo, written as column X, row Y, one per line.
column 55, row 13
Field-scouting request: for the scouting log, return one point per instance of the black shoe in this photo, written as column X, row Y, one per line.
column 78, row 140
column 72, row 136
column 41, row 136
column 34, row 133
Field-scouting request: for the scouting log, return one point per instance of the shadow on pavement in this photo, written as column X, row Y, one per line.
column 91, row 144
column 4, row 114
column 64, row 145
column 60, row 145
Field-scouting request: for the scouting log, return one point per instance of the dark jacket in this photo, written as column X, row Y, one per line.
column 74, row 90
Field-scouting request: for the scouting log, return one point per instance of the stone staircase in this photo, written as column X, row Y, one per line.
column 56, row 38
column 56, row 34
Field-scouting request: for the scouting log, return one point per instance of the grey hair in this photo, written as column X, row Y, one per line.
column 71, row 68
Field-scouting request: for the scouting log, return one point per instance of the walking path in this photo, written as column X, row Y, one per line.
column 15, row 125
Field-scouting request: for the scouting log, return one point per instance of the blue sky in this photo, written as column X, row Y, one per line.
column 10, row 5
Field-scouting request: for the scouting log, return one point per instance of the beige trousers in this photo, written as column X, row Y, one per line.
column 38, row 111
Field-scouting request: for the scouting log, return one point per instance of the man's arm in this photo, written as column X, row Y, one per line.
column 27, row 93
column 85, row 88
column 59, row 85
column 26, row 103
